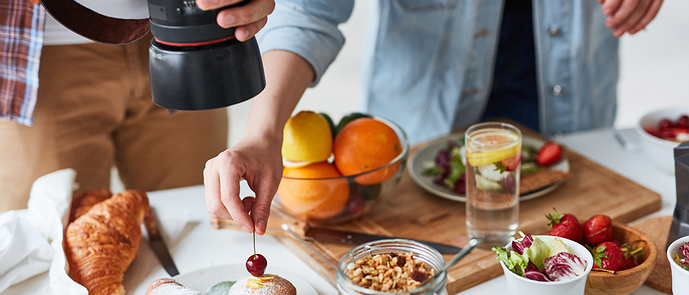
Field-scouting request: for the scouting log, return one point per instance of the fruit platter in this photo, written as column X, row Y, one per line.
column 543, row 168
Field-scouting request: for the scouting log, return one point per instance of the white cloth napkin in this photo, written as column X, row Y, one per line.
column 26, row 235
column 31, row 240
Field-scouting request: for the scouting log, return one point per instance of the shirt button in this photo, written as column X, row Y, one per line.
column 554, row 31
column 557, row 90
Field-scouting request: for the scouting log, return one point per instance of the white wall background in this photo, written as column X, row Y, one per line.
column 654, row 70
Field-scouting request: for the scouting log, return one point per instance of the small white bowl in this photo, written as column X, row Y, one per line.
column 517, row 284
column 658, row 150
column 680, row 276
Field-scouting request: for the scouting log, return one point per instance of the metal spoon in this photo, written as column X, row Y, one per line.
column 466, row 250
column 286, row 228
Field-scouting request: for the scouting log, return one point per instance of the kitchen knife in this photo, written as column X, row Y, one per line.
column 157, row 243
column 325, row 235
column 347, row 237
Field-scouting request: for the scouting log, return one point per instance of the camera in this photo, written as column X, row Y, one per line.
column 194, row 63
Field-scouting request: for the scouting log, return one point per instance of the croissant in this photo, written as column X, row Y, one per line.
column 101, row 243
column 85, row 200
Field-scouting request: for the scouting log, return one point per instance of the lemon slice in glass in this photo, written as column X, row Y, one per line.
column 478, row 154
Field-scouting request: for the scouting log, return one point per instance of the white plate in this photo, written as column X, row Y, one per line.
column 428, row 152
column 203, row 279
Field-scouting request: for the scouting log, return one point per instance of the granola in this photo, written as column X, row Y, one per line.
column 393, row 272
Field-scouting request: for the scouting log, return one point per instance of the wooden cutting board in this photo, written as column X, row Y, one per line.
column 411, row 212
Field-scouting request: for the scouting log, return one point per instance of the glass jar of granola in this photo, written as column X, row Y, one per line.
column 386, row 266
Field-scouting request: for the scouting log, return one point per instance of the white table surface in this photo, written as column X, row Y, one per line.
column 201, row 246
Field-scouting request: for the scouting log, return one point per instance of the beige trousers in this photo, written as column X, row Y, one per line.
column 94, row 111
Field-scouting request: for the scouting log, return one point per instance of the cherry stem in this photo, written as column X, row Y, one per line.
column 254, row 235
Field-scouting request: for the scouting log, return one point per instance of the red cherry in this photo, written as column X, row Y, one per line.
column 683, row 122
column 256, row 265
column 665, row 123
column 667, row 134
column 652, row 131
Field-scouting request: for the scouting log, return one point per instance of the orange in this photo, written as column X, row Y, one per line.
column 366, row 144
column 313, row 191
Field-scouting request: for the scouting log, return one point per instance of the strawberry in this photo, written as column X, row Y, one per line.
column 597, row 229
column 565, row 226
column 512, row 163
column 548, row 154
column 632, row 254
column 608, row 256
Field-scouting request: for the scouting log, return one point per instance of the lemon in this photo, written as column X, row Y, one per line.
column 307, row 138
column 478, row 155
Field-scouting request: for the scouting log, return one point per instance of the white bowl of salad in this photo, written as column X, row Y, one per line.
column 545, row 264
column 678, row 255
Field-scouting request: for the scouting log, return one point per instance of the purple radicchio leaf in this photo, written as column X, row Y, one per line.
column 520, row 246
column 685, row 251
column 536, row 276
column 533, row 267
column 563, row 265
column 532, row 272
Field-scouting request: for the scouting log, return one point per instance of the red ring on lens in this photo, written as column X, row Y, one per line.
column 194, row 44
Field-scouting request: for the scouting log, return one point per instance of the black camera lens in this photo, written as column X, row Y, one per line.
column 182, row 23
column 194, row 63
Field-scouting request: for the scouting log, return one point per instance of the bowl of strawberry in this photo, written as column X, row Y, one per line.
column 623, row 257
column 661, row 131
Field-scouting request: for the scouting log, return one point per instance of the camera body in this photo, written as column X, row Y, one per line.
column 194, row 63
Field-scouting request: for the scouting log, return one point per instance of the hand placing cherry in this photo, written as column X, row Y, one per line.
column 256, row 265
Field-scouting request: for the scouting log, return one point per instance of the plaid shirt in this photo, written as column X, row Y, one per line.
column 21, row 37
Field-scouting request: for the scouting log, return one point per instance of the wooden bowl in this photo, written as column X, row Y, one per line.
column 625, row 281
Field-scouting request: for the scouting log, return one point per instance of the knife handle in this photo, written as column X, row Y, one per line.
column 274, row 224
column 151, row 224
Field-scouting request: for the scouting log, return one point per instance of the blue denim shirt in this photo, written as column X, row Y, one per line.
column 429, row 63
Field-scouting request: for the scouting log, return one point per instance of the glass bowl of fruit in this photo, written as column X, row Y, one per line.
column 336, row 173
column 661, row 131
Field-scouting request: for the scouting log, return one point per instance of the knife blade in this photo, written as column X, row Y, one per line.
column 325, row 235
column 348, row 237
column 157, row 244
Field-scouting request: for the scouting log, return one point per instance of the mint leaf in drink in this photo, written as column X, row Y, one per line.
column 499, row 166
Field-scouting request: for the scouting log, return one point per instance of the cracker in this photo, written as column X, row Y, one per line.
column 540, row 179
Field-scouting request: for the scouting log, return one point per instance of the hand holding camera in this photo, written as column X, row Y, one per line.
column 248, row 17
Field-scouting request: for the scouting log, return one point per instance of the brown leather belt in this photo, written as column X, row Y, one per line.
column 96, row 26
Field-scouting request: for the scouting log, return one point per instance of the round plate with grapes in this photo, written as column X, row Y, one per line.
column 429, row 169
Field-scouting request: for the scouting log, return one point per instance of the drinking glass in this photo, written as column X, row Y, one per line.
column 493, row 153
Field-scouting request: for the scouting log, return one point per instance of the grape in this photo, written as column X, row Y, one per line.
column 256, row 265
column 442, row 159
